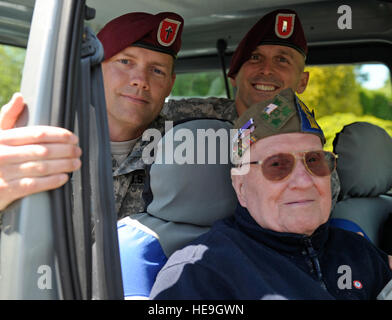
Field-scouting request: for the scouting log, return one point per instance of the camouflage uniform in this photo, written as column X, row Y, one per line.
column 129, row 177
column 128, row 182
column 219, row 108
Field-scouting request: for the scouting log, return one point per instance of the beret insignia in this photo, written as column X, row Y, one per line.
column 284, row 25
column 167, row 31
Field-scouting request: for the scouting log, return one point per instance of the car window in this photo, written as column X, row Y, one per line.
column 338, row 94
column 200, row 84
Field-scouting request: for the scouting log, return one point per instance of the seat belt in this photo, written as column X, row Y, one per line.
column 221, row 46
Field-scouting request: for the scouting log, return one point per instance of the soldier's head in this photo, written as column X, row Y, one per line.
column 270, row 58
column 138, row 70
column 284, row 174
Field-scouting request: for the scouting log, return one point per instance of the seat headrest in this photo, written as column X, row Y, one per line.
column 192, row 192
column 364, row 163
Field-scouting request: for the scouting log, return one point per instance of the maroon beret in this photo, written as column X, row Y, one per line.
column 280, row 27
column 160, row 32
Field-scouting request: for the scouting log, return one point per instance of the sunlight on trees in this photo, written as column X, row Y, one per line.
column 332, row 89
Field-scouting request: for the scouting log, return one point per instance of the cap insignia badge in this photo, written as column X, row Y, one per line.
column 284, row 25
column 167, row 31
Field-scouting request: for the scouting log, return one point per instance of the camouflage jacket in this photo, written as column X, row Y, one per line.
column 129, row 177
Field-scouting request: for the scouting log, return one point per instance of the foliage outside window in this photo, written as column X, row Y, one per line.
column 338, row 98
column 11, row 67
column 202, row 84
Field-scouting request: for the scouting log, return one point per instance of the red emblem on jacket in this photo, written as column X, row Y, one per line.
column 284, row 25
column 167, row 31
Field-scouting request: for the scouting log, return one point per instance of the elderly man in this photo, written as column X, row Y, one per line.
column 279, row 243
column 138, row 73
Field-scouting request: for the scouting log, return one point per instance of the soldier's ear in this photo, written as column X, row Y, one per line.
column 303, row 82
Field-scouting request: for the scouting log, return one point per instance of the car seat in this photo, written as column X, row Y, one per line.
column 365, row 171
column 182, row 200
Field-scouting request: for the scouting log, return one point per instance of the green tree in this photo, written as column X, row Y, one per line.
column 332, row 89
column 11, row 66
column 387, row 88
column 377, row 102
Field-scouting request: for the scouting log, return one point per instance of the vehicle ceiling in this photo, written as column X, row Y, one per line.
column 209, row 20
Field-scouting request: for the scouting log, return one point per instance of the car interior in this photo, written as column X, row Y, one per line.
column 58, row 61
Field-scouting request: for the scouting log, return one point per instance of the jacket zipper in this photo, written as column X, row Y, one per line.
column 315, row 262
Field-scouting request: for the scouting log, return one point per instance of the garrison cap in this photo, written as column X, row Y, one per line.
column 279, row 27
column 160, row 32
column 285, row 113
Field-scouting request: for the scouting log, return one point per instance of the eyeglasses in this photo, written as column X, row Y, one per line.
column 279, row 166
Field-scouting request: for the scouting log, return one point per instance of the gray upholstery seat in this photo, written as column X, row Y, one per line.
column 188, row 188
column 364, row 167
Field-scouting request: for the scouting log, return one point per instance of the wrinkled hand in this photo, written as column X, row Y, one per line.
column 35, row 158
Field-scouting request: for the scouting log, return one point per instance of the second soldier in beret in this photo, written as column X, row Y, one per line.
column 270, row 58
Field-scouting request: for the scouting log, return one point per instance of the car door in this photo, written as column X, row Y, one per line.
column 46, row 239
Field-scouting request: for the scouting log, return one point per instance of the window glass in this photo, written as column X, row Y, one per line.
column 338, row 94
column 11, row 67
column 201, row 84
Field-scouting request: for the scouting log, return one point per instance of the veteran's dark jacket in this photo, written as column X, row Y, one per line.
column 238, row 259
